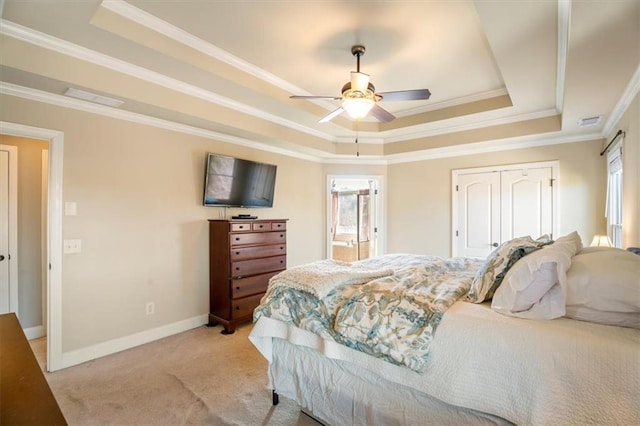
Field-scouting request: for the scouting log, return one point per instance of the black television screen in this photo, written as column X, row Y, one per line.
column 233, row 182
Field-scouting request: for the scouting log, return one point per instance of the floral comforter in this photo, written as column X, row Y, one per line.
column 393, row 317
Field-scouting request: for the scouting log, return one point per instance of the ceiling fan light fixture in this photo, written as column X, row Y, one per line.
column 358, row 104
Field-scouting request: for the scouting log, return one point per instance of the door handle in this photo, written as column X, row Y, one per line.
column 1, row 257
column 495, row 244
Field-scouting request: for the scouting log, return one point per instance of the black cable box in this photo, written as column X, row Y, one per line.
column 244, row 216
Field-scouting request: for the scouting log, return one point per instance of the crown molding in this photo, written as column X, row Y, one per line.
column 630, row 92
column 72, row 103
column 429, row 154
column 139, row 16
column 46, row 41
column 564, row 23
column 519, row 142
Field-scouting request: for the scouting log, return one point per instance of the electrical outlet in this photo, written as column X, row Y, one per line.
column 72, row 246
column 151, row 308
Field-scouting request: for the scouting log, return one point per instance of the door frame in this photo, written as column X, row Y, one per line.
column 555, row 198
column 55, row 139
column 12, row 198
column 378, row 204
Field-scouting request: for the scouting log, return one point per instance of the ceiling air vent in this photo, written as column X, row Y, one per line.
column 591, row 121
column 92, row 97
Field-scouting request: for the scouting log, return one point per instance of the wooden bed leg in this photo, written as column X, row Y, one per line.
column 275, row 397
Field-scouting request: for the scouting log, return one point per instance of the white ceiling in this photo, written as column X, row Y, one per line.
column 502, row 73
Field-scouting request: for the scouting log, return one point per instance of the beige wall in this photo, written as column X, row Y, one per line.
column 30, row 285
column 419, row 202
column 140, row 217
column 630, row 124
column 144, row 232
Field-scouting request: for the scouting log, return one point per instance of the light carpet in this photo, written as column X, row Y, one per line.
column 199, row 377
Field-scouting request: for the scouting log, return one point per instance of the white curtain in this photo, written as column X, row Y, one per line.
column 613, row 207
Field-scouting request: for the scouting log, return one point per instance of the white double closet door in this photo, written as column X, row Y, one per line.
column 491, row 206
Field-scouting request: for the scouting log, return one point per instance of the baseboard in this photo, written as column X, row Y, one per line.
column 34, row 332
column 79, row 356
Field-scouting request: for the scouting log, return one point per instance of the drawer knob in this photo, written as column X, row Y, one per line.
column 237, row 287
column 237, row 238
column 237, row 308
column 260, row 226
column 282, row 261
column 237, row 252
column 237, row 268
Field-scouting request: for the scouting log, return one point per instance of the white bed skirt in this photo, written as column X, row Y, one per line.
column 560, row 372
column 339, row 393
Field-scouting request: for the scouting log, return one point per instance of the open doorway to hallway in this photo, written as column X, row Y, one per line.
column 354, row 216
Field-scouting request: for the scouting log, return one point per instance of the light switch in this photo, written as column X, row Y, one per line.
column 70, row 208
column 72, row 246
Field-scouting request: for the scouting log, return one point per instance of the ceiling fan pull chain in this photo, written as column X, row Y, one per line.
column 357, row 148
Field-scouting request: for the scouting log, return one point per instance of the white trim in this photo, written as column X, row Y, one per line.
column 454, row 102
column 141, row 17
column 109, row 347
column 630, row 92
column 46, row 41
column 326, row 158
column 12, row 258
column 380, row 209
column 555, row 175
column 473, row 126
column 564, row 22
column 34, row 332
column 66, row 102
column 54, row 285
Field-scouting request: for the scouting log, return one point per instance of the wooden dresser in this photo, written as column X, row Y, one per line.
column 243, row 255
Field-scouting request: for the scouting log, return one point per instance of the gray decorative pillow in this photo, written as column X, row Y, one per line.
column 496, row 265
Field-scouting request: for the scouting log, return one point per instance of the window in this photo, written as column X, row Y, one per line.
column 614, row 195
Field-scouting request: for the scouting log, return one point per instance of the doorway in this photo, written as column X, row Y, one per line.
column 53, row 235
column 354, row 218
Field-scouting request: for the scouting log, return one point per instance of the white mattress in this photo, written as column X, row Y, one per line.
column 529, row 372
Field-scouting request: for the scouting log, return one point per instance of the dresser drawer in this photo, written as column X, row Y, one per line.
column 243, row 308
column 258, row 238
column 239, row 227
column 242, row 287
column 245, row 268
column 261, row 226
column 279, row 226
column 252, row 252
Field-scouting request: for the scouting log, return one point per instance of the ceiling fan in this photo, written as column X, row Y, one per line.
column 359, row 96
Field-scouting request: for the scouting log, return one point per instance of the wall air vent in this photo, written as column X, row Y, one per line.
column 92, row 97
column 591, row 121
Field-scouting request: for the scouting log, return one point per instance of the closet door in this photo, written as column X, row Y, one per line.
column 494, row 205
column 478, row 227
column 526, row 203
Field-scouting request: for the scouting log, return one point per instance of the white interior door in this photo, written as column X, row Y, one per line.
column 492, row 205
column 526, row 203
column 8, row 230
column 478, row 226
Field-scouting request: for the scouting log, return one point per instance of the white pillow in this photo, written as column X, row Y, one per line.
column 526, row 290
column 622, row 319
column 606, row 281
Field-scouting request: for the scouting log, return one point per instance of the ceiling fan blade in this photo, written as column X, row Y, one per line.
column 336, row 98
column 331, row 115
column 382, row 114
column 406, row 95
column 359, row 81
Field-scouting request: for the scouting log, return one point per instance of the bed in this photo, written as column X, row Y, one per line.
column 413, row 339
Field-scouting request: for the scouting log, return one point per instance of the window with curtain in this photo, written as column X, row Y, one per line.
column 614, row 195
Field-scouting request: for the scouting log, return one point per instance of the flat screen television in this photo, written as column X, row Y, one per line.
column 233, row 182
